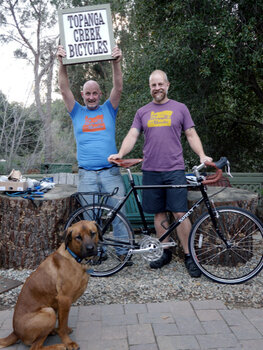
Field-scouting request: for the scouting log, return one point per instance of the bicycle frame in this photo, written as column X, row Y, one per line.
column 134, row 188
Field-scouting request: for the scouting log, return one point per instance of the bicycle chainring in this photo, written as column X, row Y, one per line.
column 155, row 248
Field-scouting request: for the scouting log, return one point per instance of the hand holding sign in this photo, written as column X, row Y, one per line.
column 116, row 54
column 61, row 53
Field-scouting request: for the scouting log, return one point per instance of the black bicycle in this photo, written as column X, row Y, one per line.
column 226, row 243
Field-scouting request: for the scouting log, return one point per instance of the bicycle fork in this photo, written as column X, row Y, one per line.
column 215, row 217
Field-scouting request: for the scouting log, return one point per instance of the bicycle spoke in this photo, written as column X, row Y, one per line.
column 117, row 239
column 238, row 262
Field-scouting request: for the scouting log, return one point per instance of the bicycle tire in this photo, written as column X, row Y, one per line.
column 99, row 266
column 243, row 260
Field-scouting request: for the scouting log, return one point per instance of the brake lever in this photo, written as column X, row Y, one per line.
column 228, row 169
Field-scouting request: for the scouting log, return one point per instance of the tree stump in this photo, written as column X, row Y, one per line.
column 30, row 231
column 230, row 196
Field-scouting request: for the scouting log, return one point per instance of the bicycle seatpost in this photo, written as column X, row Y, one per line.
column 129, row 174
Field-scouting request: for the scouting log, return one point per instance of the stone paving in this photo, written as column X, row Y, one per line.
column 159, row 326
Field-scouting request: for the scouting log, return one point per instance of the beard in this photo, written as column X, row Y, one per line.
column 160, row 95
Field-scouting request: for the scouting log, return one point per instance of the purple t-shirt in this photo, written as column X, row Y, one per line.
column 162, row 125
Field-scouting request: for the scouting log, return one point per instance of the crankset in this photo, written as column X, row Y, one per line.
column 152, row 249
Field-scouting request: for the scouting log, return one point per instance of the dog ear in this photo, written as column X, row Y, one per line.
column 99, row 230
column 68, row 237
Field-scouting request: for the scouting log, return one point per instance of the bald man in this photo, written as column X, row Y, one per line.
column 162, row 121
column 94, row 129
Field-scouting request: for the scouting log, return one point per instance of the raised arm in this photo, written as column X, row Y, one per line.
column 196, row 145
column 127, row 144
column 116, row 91
column 63, row 82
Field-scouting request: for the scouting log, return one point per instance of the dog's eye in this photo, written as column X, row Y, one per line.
column 79, row 238
column 92, row 234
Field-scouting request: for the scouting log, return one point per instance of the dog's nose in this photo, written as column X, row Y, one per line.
column 90, row 247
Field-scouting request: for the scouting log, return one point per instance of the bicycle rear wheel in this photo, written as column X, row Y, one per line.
column 236, row 264
column 111, row 257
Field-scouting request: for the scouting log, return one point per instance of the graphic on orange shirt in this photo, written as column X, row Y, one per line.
column 93, row 124
column 160, row 119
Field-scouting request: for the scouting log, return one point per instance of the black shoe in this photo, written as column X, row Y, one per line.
column 122, row 257
column 191, row 267
column 164, row 260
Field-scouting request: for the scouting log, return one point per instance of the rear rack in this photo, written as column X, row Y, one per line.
column 97, row 198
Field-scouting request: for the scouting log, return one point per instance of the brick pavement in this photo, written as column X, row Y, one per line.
column 162, row 326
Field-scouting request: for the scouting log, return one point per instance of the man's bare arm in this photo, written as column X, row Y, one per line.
column 63, row 81
column 196, row 145
column 116, row 91
column 127, row 144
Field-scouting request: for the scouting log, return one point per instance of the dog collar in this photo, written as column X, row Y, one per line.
column 77, row 258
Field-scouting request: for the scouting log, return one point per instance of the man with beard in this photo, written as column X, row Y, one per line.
column 162, row 122
column 94, row 129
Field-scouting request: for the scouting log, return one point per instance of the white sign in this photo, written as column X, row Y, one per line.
column 86, row 33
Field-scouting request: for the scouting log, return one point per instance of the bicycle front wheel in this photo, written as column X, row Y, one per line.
column 117, row 239
column 238, row 262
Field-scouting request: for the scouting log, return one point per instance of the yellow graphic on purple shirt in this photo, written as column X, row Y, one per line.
column 93, row 124
column 160, row 119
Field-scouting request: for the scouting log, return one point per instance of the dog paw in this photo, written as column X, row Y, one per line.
column 73, row 346
column 54, row 332
column 69, row 330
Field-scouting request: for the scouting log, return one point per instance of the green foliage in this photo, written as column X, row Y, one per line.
column 64, row 147
column 212, row 53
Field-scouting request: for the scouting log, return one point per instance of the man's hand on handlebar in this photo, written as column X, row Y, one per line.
column 205, row 158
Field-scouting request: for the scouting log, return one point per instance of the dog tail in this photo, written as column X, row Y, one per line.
column 9, row 340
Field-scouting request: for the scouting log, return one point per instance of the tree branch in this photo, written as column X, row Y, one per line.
column 237, row 119
column 255, row 87
column 18, row 27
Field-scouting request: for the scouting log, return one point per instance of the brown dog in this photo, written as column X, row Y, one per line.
column 49, row 292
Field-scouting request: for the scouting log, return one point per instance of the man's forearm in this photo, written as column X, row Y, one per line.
column 195, row 142
column 117, row 76
column 196, row 145
column 128, row 143
column 63, row 81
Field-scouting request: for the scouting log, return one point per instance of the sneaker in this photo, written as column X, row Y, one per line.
column 193, row 270
column 122, row 257
column 164, row 260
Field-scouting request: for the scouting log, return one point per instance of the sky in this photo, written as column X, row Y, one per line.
column 17, row 78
